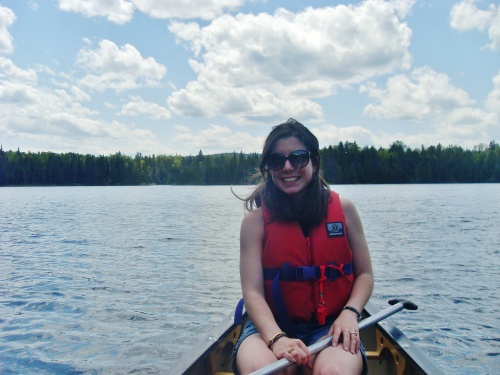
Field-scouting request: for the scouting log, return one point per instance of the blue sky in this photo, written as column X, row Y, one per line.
column 171, row 77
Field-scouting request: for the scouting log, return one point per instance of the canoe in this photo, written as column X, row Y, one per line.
column 388, row 350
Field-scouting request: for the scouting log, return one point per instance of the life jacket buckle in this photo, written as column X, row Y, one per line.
column 334, row 271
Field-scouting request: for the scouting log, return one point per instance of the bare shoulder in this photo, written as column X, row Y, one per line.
column 350, row 212
column 253, row 221
column 356, row 236
column 254, row 216
column 252, row 232
column 347, row 206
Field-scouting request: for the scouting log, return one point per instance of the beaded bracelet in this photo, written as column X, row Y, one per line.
column 275, row 338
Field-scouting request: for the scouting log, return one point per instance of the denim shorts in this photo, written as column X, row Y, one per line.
column 308, row 333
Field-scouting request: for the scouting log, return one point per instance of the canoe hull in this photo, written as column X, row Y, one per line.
column 389, row 351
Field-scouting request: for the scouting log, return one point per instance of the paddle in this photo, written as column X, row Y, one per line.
column 397, row 305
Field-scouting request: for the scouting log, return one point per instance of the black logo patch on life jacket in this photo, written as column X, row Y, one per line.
column 335, row 229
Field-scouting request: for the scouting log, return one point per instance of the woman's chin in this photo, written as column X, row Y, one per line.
column 290, row 190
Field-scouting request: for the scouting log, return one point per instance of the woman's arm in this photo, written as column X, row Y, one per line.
column 252, row 283
column 363, row 273
column 363, row 279
column 251, row 273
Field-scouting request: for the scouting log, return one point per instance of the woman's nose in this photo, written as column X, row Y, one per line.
column 288, row 166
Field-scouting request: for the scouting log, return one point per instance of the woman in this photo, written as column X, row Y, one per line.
column 304, row 263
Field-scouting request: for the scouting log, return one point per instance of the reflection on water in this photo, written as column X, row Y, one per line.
column 126, row 279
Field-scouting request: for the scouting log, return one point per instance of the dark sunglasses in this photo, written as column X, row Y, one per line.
column 298, row 159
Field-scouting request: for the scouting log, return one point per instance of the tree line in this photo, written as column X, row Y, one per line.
column 345, row 163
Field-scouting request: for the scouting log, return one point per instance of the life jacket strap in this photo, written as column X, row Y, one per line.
column 238, row 312
column 305, row 273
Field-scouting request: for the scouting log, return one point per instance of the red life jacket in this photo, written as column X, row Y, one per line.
column 313, row 274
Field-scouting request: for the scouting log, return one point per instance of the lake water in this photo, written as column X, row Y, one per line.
column 122, row 280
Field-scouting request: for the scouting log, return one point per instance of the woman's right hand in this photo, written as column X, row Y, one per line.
column 293, row 350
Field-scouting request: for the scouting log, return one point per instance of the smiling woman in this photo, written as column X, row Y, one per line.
column 304, row 263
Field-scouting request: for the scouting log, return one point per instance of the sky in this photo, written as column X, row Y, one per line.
column 173, row 77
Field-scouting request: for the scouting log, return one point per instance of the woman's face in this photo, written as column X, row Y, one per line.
column 289, row 179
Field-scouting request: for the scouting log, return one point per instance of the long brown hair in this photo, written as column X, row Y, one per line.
column 280, row 204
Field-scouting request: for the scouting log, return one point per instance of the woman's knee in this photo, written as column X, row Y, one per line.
column 252, row 355
column 336, row 361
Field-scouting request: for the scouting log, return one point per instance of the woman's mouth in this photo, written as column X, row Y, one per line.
column 290, row 179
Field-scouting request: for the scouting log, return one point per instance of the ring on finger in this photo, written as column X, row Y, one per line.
column 291, row 350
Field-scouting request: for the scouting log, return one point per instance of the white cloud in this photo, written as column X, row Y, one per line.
column 428, row 98
column 137, row 106
column 10, row 72
column 474, row 118
column 402, row 8
column 494, row 32
column 118, row 68
column 493, row 100
column 117, row 11
column 272, row 66
column 464, row 126
column 422, row 94
column 55, row 119
column 466, row 16
column 17, row 86
column 204, row 9
column 12, row 93
column 29, row 108
column 110, row 105
column 238, row 104
column 79, row 94
column 122, row 11
column 332, row 135
column 215, row 139
column 7, row 18
column 33, row 5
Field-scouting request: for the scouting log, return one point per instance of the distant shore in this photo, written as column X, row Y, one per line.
column 345, row 163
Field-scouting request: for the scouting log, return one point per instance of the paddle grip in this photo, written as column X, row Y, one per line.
column 408, row 305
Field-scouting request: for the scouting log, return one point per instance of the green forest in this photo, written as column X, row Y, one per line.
column 345, row 163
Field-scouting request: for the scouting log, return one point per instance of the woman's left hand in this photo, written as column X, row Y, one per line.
column 345, row 330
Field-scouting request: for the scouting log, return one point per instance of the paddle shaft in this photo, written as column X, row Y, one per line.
column 327, row 341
